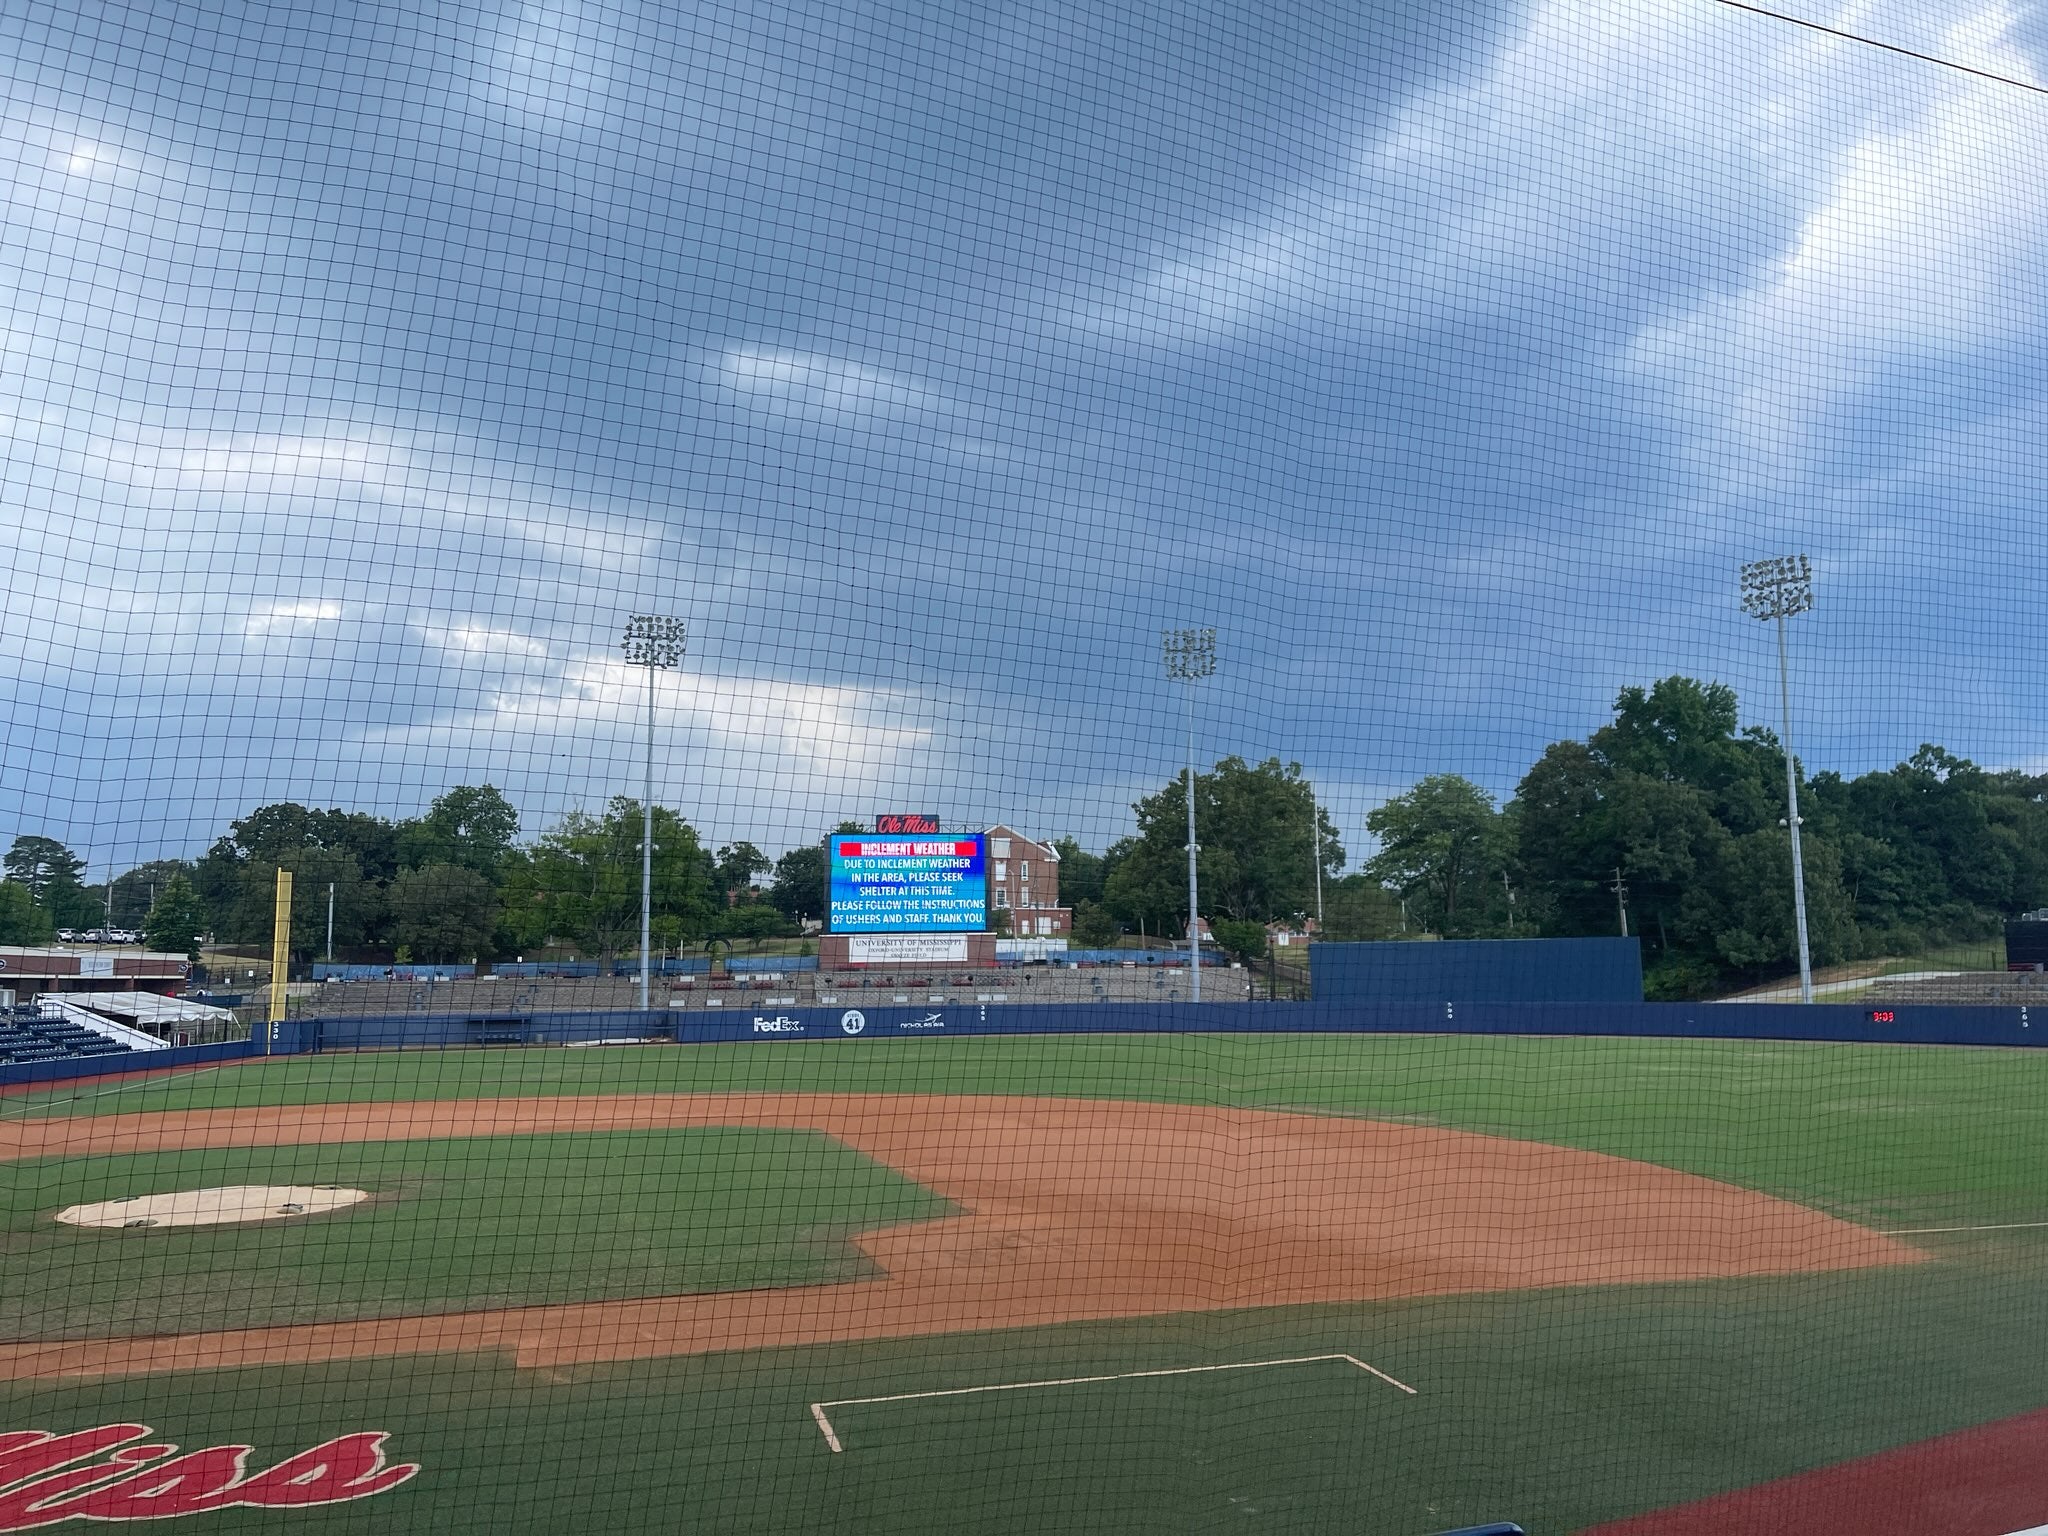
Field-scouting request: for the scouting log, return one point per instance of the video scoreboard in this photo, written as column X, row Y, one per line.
column 883, row 883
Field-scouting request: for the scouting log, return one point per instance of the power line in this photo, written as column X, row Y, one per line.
column 1871, row 42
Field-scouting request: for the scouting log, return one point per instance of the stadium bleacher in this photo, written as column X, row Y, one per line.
column 1989, row 988
column 524, row 996
column 26, row 1036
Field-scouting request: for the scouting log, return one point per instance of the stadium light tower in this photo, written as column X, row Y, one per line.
column 1191, row 656
column 657, row 644
column 1775, row 590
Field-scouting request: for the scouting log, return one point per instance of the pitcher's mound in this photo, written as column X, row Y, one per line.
column 211, row 1207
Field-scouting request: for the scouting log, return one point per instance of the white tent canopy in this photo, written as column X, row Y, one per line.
column 146, row 1008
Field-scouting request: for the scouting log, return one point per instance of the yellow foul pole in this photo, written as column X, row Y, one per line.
column 280, row 957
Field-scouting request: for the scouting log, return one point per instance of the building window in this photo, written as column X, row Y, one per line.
column 1024, row 870
column 999, row 847
column 1002, row 870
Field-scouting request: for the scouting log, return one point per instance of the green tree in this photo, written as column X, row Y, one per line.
column 1256, row 828
column 21, row 920
column 1742, row 918
column 1240, row 938
column 471, row 825
column 358, row 904
column 356, row 851
column 176, row 920
column 752, row 921
column 1147, row 885
column 1682, row 731
column 443, row 912
column 71, row 905
column 1094, row 926
column 40, row 862
column 581, row 880
column 798, row 890
column 1358, row 907
column 51, row 873
column 1081, row 873
column 736, row 867
column 136, row 891
column 1440, row 847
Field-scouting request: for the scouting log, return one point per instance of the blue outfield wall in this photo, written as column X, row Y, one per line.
column 128, row 1062
column 1930, row 1025
column 1838, row 1022
column 1479, row 971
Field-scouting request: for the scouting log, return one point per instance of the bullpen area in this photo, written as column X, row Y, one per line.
column 1344, row 1283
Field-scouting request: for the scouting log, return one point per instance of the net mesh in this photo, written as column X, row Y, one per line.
column 711, row 547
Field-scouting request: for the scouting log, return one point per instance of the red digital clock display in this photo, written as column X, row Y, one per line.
column 1883, row 1016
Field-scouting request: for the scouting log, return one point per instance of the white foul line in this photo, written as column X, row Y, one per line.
column 172, row 1077
column 832, row 1439
column 2006, row 1226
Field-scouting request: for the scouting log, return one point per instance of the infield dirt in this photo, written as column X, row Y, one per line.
column 1073, row 1209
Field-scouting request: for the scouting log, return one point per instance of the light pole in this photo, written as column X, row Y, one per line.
column 1191, row 656
column 657, row 644
column 1775, row 590
column 1315, row 839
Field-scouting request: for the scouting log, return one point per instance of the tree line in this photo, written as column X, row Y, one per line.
column 455, row 884
column 1669, row 818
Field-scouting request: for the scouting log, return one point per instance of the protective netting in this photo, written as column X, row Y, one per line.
column 614, row 612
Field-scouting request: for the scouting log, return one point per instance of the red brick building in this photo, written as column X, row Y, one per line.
column 27, row 973
column 1024, row 877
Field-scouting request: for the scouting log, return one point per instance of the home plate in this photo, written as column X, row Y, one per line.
column 212, row 1207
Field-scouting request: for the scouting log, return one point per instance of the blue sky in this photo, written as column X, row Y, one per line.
column 360, row 373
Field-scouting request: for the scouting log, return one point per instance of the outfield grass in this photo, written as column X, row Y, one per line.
column 1558, row 1408
column 452, row 1225
column 1895, row 1136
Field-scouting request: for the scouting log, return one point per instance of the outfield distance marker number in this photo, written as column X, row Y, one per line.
column 832, row 1438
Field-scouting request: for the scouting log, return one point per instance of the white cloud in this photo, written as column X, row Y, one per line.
column 821, row 387
column 1613, row 138
column 1926, row 243
column 743, row 756
column 292, row 618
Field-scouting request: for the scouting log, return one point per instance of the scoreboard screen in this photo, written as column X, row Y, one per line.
column 884, row 884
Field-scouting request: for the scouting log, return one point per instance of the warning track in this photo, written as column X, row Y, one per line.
column 1073, row 1209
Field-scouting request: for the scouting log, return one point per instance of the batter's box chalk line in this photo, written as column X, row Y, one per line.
column 832, row 1437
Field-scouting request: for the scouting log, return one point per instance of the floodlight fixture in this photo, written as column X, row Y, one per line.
column 653, row 640
column 1777, row 588
column 1190, row 656
column 1773, row 591
column 656, row 642
column 1190, row 653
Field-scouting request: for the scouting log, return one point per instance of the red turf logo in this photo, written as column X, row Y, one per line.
column 41, row 1485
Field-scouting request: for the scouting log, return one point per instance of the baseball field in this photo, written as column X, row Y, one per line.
column 1359, row 1284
